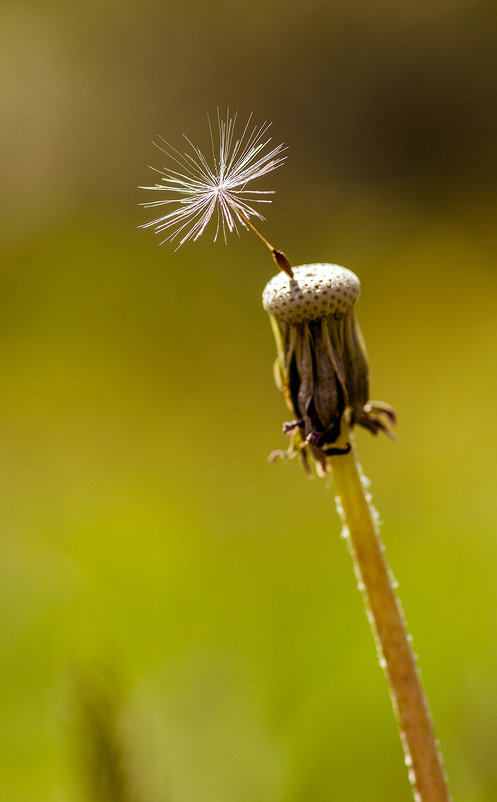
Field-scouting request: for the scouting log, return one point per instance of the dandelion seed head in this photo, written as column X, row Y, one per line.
column 316, row 291
column 199, row 188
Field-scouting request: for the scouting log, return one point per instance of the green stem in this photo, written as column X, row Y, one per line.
column 422, row 753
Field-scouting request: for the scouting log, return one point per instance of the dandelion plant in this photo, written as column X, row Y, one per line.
column 322, row 370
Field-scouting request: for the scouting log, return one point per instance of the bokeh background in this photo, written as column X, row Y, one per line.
column 180, row 618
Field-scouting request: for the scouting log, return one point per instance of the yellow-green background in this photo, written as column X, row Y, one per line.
column 149, row 551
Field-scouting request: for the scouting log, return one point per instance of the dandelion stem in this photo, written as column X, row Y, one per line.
column 278, row 256
column 423, row 757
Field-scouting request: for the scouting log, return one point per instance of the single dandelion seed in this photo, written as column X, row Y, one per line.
column 200, row 188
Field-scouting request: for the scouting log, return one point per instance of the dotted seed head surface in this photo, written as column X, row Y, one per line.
column 315, row 291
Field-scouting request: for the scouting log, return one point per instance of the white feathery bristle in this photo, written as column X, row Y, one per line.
column 316, row 291
column 196, row 187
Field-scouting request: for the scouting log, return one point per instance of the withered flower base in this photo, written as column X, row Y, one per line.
column 321, row 367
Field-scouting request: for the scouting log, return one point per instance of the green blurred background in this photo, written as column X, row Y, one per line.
column 173, row 605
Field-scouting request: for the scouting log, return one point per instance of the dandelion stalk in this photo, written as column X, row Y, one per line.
column 323, row 372
column 422, row 754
